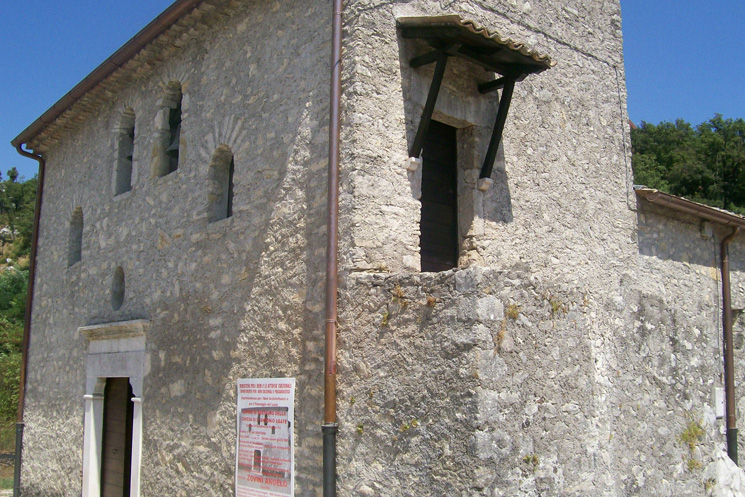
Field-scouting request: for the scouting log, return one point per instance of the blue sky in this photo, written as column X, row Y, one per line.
column 684, row 58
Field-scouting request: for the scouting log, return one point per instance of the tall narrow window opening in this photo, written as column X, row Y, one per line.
column 438, row 242
column 125, row 153
column 116, row 460
column 170, row 131
column 75, row 241
column 117, row 289
column 220, row 192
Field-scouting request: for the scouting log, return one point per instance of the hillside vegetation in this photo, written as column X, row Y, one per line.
column 705, row 163
column 17, row 199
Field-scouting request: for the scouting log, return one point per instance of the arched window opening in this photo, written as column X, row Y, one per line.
column 117, row 289
column 220, row 189
column 75, row 241
column 125, row 153
column 170, row 131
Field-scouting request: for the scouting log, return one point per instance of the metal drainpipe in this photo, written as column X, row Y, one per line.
column 27, row 321
column 330, row 426
column 729, row 361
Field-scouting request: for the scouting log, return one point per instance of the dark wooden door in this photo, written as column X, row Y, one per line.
column 117, row 438
column 438, row 243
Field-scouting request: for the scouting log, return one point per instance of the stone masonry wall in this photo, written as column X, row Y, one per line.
column 569, row 355
column 242, row 297
column 494, row 382
column 565, row 178
column 676, row 341
column 465, row 383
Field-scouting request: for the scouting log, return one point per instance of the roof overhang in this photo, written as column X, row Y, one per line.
column 466, row 39
column 684, row 205
column 178, row 10
column 452, row 36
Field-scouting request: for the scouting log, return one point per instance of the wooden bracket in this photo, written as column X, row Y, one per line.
column 496, row 137
column 429, row 107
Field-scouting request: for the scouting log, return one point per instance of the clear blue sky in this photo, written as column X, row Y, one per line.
column 684, row 58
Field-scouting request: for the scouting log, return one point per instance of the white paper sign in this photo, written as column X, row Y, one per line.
column 265, row 452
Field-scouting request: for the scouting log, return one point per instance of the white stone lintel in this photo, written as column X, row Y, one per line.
column 111, row 331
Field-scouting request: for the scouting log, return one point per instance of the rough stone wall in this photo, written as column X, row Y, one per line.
column 673, row 353
column 561, row 214
column 470, row 382
column 487, row 381
column 565, row 178
column 242, row 297
column 566, row 357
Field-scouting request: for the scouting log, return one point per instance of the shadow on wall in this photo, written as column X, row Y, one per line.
column 258, row 321
column 459, row 104
column 669, row 235
column 737, row 276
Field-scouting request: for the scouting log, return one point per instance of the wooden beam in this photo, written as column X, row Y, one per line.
column 429, row 107
column 494, row 85
column 496, row 137
column 424, row 59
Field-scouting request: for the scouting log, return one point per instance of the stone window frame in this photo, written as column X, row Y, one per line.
column 172, row 99
column 125, row 148
column 221, row 185
column 115, row 350
column 445, row 37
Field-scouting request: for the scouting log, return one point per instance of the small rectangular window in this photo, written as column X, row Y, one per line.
column 220, row 193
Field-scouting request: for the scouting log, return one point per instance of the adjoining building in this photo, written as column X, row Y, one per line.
column 513, row 319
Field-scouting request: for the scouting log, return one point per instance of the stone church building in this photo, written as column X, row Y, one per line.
column 515, row 318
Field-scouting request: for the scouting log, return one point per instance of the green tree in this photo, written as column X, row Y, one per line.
column 722, row 142
column 17, row 202
column 705, row 164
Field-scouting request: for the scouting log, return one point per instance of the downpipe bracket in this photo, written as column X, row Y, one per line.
column 732, row 444
column 329, row 431
column 17, row 461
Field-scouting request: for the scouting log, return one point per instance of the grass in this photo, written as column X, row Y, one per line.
column 7, row 437
column 6, row 477
column 7, row 445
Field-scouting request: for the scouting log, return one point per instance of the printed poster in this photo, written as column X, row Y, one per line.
column 265, row 453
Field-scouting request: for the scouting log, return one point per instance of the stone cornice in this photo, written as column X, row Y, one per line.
column 111, row 331
column 115, row 75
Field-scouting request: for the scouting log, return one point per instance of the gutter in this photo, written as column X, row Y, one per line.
column 330, row 427
column 27, row 321
column 158, row 26
column 681, row 204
